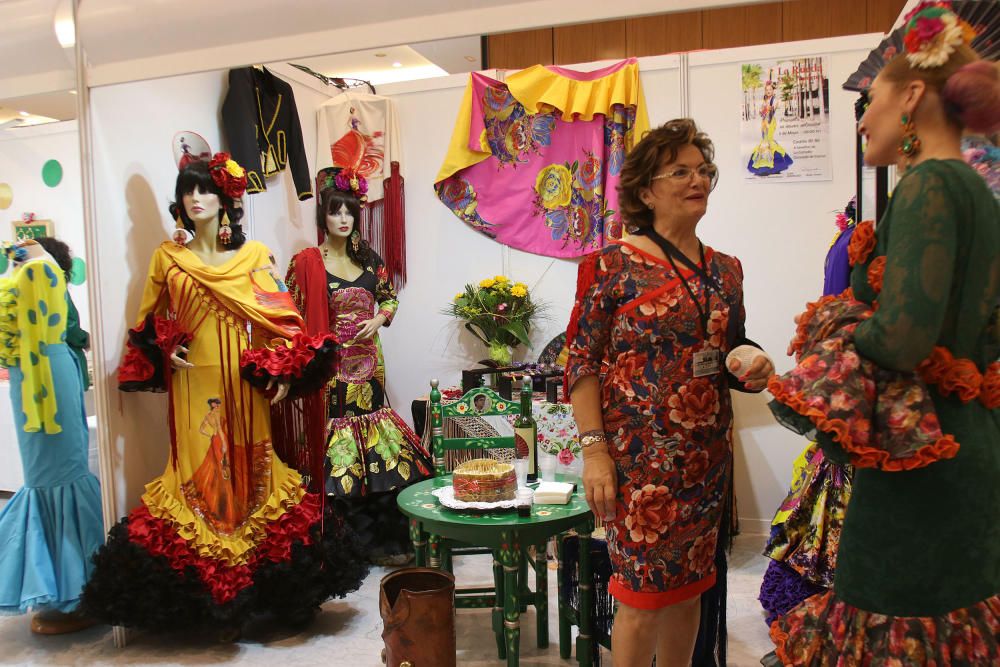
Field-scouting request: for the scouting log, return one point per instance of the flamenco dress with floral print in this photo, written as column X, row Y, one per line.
column 371, row 454
column 805, row 531
column 899, row 377
column 228, row 531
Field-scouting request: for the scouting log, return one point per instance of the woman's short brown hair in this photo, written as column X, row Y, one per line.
column 644, row 160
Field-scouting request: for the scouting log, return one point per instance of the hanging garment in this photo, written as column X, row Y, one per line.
column 359, row 132
column 534, row 161
column 262, row 127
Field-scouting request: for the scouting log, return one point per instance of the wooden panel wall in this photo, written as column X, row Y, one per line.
column 666, row 33
column 517, row 50
column 586, row 42
column 745, row 25
column 741, row 26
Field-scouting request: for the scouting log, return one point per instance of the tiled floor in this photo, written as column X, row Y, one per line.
column 348, row 632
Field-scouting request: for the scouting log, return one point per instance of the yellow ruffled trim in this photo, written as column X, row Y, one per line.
column 539, row 89
column 10, row 344
column 233, row 549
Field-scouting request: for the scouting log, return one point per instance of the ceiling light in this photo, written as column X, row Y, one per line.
column 65, row 30
column 72, row 92
column 380, row 55
column 397, row 64
column 24, row 113
column 471, row 59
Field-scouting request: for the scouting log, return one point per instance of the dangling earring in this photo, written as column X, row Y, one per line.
column 225, row 231
column 181, row 234
column 909, row 145
column 355, row 240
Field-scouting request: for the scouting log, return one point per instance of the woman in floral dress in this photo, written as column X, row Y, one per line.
column 656, row 315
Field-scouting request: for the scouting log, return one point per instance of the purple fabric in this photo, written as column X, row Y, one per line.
column 837, row 271
column 783, row 589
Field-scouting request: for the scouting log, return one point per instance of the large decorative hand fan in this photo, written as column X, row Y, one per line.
column 982, row 15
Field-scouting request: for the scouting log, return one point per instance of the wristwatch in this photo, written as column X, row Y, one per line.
column 588, row 439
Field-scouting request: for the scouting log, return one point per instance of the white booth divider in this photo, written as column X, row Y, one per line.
column 780, row 232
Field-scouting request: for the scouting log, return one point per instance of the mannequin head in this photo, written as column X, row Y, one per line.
column 338, row 216
column 198, row 199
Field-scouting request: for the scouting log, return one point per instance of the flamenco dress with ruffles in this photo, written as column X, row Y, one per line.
column 228, row 530
column 899, row 377
column 371, row 454
column 52, row 526
column 769, row 157
column 805, row 531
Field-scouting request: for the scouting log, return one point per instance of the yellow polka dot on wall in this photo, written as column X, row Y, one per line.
column 6, row 196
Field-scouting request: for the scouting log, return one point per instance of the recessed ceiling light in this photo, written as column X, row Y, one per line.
column 471, row 59
column 397, row 64
column 72, row 92
column 380, row 55
column 24, row 113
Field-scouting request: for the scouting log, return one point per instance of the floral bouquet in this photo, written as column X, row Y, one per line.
column 499, row 313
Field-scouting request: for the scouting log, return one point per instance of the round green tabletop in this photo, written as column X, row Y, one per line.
column 420, row 504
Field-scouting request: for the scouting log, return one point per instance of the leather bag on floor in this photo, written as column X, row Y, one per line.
column 418, row 616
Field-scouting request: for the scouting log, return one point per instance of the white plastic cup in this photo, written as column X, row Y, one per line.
column 521, row 470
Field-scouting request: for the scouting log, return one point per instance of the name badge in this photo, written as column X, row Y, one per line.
column 706, row 362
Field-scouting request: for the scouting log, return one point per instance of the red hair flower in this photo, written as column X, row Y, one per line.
column 228, row 175
column 862, row 243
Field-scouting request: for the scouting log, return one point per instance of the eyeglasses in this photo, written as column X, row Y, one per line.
column 708, row 172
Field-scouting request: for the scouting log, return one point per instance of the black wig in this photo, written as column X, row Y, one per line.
column 330, row 201
column 195, row 176
column 59, row 251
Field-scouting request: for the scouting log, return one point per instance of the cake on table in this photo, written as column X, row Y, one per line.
column 484, row 481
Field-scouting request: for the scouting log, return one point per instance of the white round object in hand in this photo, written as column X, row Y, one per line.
column 744, row 354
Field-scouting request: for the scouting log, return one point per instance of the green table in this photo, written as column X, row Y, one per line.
column 504, row 533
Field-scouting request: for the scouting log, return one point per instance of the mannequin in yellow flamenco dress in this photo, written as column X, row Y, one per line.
column 769, row 157
column 228, row 530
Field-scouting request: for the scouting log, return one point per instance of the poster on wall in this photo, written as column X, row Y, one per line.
column 785, row 119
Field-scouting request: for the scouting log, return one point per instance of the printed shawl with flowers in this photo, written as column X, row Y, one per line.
column 534, row 161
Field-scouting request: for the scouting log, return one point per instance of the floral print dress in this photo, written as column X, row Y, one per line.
column 670, row 433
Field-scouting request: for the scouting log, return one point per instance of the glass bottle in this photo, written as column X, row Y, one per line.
column 526, row 430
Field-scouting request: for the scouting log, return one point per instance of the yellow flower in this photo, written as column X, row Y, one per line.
column 501, row 279
column 487, row 283
column 459, row 296
column 522, row 286
column 554, row 185
column 234, row 169
column 518, row 291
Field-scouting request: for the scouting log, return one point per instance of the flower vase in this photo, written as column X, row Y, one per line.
column 501, row 353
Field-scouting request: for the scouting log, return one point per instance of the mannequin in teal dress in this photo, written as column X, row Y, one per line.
column 52, row 526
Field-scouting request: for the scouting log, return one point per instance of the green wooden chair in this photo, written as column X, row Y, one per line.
column 484, row 402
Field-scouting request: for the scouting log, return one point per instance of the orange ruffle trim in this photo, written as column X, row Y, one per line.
column 962, row 377
column 862, row 243
column 863, row 456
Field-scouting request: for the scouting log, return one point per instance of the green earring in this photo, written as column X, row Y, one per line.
column 909, row 145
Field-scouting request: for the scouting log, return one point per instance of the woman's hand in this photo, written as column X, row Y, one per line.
column 368, row 328
column 755, row 377
column 177, row 361
column 282, row 392
column 600, row 481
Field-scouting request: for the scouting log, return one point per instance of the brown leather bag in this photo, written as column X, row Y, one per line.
column 418, row 616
